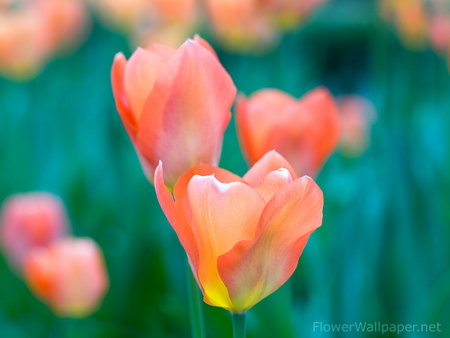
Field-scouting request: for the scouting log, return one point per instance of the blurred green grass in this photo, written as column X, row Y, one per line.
column 383, row 253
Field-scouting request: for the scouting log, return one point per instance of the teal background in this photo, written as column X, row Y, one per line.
column 382, row 253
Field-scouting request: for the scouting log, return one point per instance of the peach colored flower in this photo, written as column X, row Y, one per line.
column 243, row 236
column 174, row 104
column 304, row 131
column 69, row 275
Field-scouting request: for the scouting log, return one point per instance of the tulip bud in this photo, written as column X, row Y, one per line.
column 28, row 221
column 68, row 275
column 174, row 104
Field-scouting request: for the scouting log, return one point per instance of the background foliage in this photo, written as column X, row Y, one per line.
column 382, row 254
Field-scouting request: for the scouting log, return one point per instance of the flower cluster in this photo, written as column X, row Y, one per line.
column 239, row 24
column 243, row 236
column 420, row 22
column 66, row 273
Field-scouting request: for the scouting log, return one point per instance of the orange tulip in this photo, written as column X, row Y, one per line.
column 69, row 275
column 305, row 131
column 357, row 114
column 243, row 236
column 174, row 104
column 28, row 221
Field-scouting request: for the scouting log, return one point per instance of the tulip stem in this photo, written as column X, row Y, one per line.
column 195, row 306
column 239, row 325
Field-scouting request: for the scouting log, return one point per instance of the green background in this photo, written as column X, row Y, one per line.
column 382, row 253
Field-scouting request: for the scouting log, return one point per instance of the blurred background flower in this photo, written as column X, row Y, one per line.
column 357, row 114
column 31, row 31
column 305, row 131
column 383, row 251
column 69, row 275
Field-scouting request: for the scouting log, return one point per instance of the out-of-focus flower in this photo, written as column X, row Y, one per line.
column 29, row 221
column 31, row 31
column 440, row 32
column 69, row 275
column 357, row 114
column 290, row 13
column 174, row 104
column 121, row 13
column 410, row 18
column 168, row 22
column 243, row 236
column 240, row 24
column 305, row 131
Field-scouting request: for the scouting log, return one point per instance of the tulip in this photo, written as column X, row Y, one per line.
column 357, row 114
column 243, row 236
column 174, row 104
column 69, row 275
column 304, row 131
column 28, row 221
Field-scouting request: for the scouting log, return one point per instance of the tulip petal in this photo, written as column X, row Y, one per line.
column 271, row 161
column 219, row 220
column 254, row 269
column 123, row 107
column 324, row 131
column 40, row 273
column 180, row 190
column 273, row 182
column 140, row 75
column 187, row 111
column 176, row 220
column 205, row 44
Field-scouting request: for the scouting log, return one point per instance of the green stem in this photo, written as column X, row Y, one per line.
column 195, row 306
column 239, row 325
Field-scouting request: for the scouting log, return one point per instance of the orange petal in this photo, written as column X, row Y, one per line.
column 180, row 190
column 222, row 215
column 40, row 273
column 140, row 75
column 253, row 270
column 271, row 161
column 205, row 44
column 186, row 113
column 273, row 182
column 176, row 219
column 324, row 131
column 118, row 86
